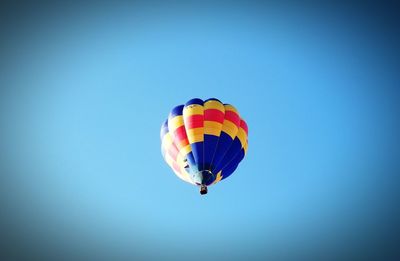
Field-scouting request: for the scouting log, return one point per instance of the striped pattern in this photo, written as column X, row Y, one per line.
column 172, row 156
column 206, row 139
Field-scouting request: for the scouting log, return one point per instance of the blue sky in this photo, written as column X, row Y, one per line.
column 89, row 93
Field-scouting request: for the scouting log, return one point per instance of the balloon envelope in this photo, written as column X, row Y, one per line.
column 204, row 141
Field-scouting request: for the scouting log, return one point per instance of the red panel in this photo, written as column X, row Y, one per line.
column 243, row 125
column 194, row 121
column 184, row 142
column 176, row 167
column 173, row 151
column 214, row 115
column 180, row 133
column 233, row 117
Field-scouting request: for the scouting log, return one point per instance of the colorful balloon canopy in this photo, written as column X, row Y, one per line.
column 204, row 141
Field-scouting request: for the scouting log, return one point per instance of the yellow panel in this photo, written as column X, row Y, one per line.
column 195, row 135
column 229, row 107
column 185, row 150
column 179, row 158
column 181, row 162
column 184, row 173
column 218, row 178
column 214, row 105
column 168, row 159
column 167, row 141
column 183, row 177
column 212, row 128
column 195, row 131
column 242, row 137
column 197, row 138
column 212, row 124
column 181, row 143
column 193, row 109
column 175, row 123
column 230, row 128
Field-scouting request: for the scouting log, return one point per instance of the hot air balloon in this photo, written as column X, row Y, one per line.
column 204, row 141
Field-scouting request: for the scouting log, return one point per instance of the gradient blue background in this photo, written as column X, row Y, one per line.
column 84, row 90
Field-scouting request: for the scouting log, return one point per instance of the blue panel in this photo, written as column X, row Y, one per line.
column 190, row 160
column 176, row 111
column 226, row 172
column 212, row 99
column 224, row 142
column 229, row 156
column 164, row 129
column 231, row 167
column 210, row 146
column 198, row 155
column 194, row 101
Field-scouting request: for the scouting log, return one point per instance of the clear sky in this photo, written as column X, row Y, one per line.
column 85, row 91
